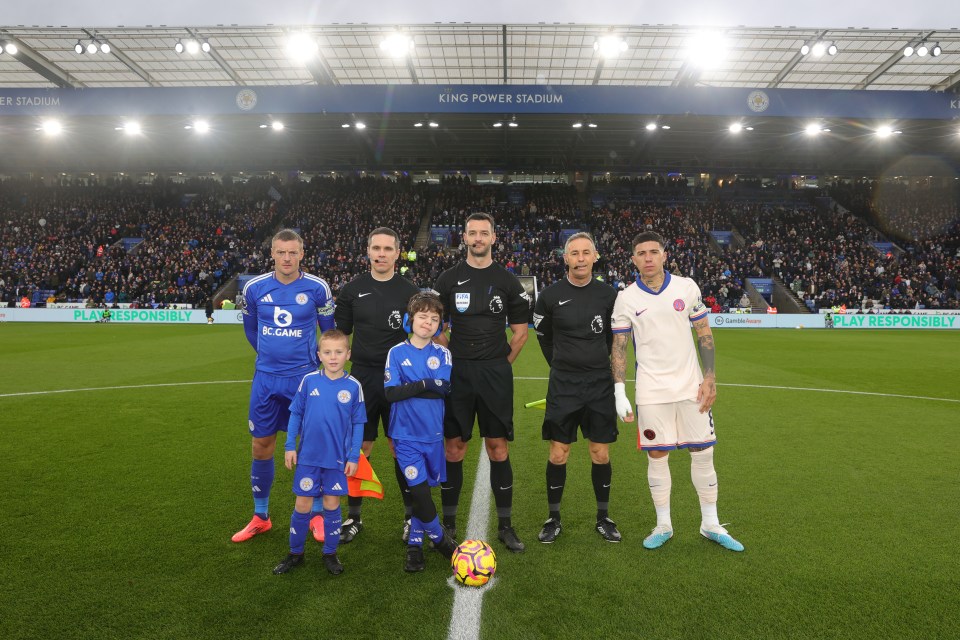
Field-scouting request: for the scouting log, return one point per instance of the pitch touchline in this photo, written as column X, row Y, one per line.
column 770, row 386
column 720, row 384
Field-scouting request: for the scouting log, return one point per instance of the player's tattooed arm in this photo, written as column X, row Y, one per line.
column 618, row 357
column 705, row 346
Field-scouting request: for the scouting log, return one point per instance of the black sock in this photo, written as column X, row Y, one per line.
column 353, row 507
column 404, row 489
column 556, row 478
column 601, row 475
column 450, row 493
column 501, row 481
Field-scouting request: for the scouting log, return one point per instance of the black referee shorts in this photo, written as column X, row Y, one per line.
column 378, row 409
column 582, row 400
column 481, row 389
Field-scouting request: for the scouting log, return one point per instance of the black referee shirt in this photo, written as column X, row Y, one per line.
column 573, row 325
column 373, row 311
column 478, row 303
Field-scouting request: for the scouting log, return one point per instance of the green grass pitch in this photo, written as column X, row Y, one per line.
column 118, row 504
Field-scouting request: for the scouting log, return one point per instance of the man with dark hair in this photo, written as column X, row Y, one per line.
column 481, row 297
column 572, row 322
column 281, row 311
column 371, row 307
column 673, row 396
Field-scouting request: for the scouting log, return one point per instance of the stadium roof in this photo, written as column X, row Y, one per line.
column 559, row 54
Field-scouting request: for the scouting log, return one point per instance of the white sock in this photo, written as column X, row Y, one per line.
column 658, row 477
column 704, row 478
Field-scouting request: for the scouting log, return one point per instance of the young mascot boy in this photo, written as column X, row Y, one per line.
column 416, row 380
column 328, row 414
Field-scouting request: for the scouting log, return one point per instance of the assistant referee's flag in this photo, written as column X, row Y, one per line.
column 365, row 483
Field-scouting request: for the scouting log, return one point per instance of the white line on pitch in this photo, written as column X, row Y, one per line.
column 130, row 386
column 467, row 601
column 769, row 386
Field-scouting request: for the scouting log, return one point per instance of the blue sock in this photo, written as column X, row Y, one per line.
column 416, row 532
column 332, row 519
column 434, row 530
column 299, row 524
column 261, row 481
column 317, row 509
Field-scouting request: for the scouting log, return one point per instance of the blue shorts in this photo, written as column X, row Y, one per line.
column 421, row 461
column 270, row 398
column 314, row 482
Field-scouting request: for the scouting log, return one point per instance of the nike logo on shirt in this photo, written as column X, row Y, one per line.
column 641, row 311
column 460, row 282
column 563, row 302
column 360, row 295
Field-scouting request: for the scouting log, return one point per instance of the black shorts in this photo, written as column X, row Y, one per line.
column 582, row 400
column 378, row 409
column 481, row 389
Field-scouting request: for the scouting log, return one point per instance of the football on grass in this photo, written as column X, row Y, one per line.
column 474, row 563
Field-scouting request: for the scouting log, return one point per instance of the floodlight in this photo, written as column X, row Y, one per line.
column 805, row 49
column 104, row 47
column 936, row 51
column 707, row 49
column 276, row 125
column 884, row 131
column 832, row 49
column 818, row 49
column 301, row 46
column 132, row 128
column 577, row 125
column 205, row 46
column 418, row 124
column 397, row 45
column 178, row 47
column 812, row 129
column 736, row 127
column 264, row 126
column 202, row 126
column 592, row 125
column 91, row 47
column 433, row 125
column 923, row 50
column 512, row 124
column 52, row 127
column 651, row 126
column 360, row 125
column 908, row 51
column 78, row 47
column 665, row 127
column 609, row 46
column 193, row 47
column 10, row 48
column 497, row 124
column 345, row 125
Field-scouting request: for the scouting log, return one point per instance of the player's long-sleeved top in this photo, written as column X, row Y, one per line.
column 280, row 321
column 328, row 415
column 667, row 365
column 478, row 303
column 373, row 311
column 573, row 325
column 419, row 418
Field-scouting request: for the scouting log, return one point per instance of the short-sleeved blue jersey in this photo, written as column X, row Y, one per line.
column 329, row 416
column 280, row 321
column 418, row 419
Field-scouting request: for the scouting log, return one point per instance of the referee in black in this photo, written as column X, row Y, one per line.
column 480, row 297
column 572, row 322
column 371, row 307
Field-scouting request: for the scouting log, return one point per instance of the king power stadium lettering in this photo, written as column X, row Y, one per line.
column 134, row 315
column 895, row 321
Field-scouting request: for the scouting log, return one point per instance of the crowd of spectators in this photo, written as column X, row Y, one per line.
column 198, row 235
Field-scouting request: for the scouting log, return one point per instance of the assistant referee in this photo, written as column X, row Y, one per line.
column 572, row 322
column 480, row 297
column 371, row 307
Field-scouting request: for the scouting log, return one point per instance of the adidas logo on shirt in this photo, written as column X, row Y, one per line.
column 315, row 392
column 406, row 363
column 267, row 298
column 336, row 487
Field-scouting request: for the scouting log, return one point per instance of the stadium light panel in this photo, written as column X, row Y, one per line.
column 301, row 46
column 51, row 127
column 397, row 45
column 609, row 46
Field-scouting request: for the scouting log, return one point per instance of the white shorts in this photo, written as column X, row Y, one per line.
column 674, row 425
